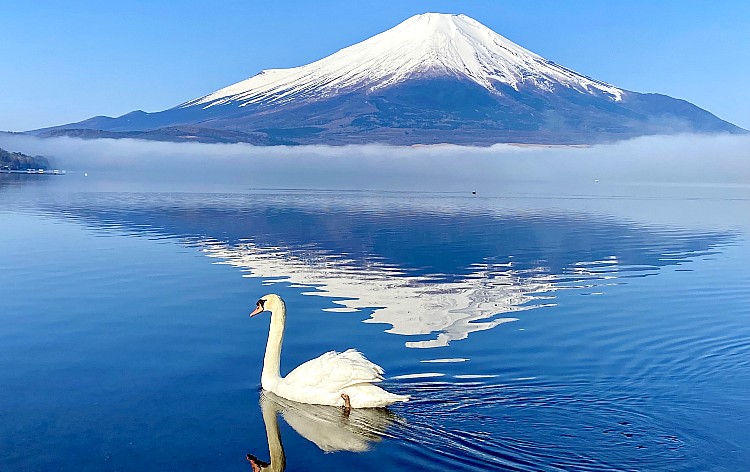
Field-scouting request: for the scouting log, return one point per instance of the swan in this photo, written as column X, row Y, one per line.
column 335, row 379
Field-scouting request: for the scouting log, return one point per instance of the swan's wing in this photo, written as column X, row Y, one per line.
column 333, row 371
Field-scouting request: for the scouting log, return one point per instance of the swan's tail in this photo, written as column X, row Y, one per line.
column 399, row 398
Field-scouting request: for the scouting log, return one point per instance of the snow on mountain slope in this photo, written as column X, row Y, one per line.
column 435, row 78
column 431, row 44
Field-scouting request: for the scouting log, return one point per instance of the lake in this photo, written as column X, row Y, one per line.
column 602, row 327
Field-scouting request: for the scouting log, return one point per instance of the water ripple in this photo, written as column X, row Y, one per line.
column 445, row 417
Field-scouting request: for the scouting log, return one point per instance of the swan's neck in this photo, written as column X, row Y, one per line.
column 272, row 360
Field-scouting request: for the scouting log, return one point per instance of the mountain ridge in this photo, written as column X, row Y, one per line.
column 433, row 78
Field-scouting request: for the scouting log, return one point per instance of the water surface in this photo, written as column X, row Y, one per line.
column 601, row 329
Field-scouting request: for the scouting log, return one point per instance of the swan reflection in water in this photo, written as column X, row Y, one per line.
column 328, row 427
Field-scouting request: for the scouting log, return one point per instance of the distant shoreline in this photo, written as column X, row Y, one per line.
column 16, row 161
column 33, row 171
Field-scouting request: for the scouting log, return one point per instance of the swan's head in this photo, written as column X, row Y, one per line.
column 270, row 302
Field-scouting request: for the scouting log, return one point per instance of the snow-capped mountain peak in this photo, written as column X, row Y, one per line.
column 434, row 78
column 426, row 45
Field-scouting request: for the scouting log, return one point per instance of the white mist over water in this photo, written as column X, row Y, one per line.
column 653, row 164
column 687, row 159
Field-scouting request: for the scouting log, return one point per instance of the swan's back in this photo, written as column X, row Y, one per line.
column 322, row 381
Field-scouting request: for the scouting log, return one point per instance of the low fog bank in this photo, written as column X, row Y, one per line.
column 679, row 160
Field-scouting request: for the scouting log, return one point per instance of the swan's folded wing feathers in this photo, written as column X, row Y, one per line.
column 357, row 358
column 336, row 371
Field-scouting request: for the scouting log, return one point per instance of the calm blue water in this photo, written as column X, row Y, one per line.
column 599, row 330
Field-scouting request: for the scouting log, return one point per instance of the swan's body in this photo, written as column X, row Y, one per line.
column 330, row 379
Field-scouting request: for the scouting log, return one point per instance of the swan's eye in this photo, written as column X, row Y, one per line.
column 261, row 303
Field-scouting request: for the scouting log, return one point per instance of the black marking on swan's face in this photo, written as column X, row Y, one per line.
column 260, row 306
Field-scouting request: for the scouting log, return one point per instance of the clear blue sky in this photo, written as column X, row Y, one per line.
column 68, row 61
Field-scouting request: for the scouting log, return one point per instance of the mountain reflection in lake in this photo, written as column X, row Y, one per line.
column 533, row 331
column 435, row 268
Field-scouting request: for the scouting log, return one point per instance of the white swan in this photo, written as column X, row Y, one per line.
column 334, row 379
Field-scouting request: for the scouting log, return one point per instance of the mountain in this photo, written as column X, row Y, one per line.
column 435, row 78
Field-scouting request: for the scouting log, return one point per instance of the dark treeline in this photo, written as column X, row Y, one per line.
column 18, row 161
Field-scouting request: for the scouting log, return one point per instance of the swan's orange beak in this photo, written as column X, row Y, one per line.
column 259, row 307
